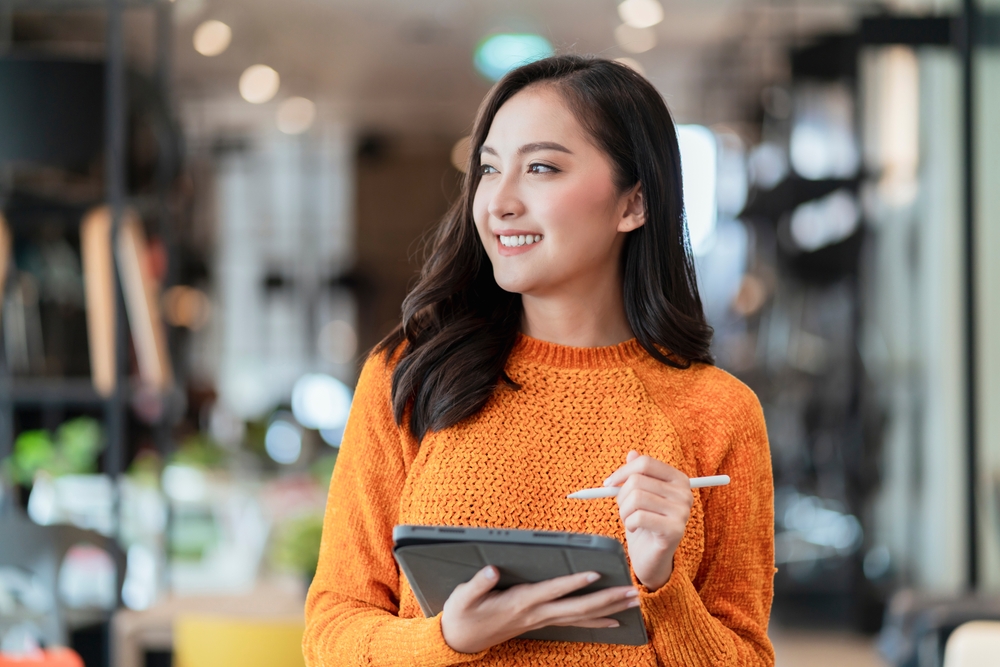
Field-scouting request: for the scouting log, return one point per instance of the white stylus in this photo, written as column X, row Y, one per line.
column 612, row 491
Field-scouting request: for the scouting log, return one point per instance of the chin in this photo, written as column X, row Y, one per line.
column 515, row 284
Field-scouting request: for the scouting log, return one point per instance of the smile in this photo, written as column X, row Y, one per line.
column 519, row 240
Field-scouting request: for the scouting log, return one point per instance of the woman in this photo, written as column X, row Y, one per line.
column 555, row 341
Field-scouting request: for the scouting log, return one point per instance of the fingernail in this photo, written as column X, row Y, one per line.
column 606, row 481
column 613, row 624
column 634, row 593
column 592, row 577
column 633, row 603
column 490, row 573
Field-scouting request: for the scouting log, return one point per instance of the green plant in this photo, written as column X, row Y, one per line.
column 296, row 545
column 199, row 450
column 146, row 468
column 73, row 451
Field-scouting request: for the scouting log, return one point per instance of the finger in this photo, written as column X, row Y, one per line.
column 639, row 482
column 645, row 465
column 592, row 605
column 482, row 583
column 644, row 486
column 658, row 524
column 561, row 613
column 641, row 500
column 553, row 589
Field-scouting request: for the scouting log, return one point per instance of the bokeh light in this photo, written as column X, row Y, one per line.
column 259, row 84
column 320, row 401
column 295, row 115
column 499, row 54
column 283, row 441
column 212, row 38
column 822, row 222
column 185, row 306
column 641, row 13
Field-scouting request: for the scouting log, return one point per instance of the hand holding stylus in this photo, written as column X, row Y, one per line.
column 612, row 491
column 654, row 503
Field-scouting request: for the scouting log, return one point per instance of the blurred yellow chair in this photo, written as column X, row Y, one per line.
column 974, row 644
column 226, row 641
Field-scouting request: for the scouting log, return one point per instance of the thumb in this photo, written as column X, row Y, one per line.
column 632, row 456
column 481, row 584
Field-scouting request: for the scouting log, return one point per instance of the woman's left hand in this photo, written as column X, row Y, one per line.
column 654, row 503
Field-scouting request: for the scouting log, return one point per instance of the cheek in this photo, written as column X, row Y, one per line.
column 582, row 211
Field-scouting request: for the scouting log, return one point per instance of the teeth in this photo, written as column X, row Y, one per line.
column 521, row 239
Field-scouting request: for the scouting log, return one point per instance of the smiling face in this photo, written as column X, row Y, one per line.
column 547, row 208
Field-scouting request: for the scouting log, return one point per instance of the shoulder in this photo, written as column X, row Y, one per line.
column 702, row 396
column 374, row 387
column 711, row 388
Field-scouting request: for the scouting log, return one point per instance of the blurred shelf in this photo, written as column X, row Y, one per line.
column 50, row 391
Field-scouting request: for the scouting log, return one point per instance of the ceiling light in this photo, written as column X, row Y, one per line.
column 635, row 40
column 641, row 13
column 633, row 64
column 259, row 83
column 212, row 38
column 295, row 115
column 499, row 54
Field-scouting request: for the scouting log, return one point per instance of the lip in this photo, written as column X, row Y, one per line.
column 507, row 251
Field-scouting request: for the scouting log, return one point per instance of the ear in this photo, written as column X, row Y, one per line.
column 634, row 213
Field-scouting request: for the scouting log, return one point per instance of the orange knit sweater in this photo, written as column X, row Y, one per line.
column 578, row 413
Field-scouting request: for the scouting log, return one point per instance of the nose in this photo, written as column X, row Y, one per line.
column 505, row 203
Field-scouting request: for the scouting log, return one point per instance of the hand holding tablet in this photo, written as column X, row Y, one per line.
column 566, row 586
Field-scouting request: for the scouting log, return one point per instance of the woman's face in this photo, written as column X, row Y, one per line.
column 547, row 208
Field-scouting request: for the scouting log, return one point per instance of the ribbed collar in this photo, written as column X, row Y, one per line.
column 533, row 350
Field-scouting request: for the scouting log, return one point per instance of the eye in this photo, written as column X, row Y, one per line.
column 486, row 169
column 539, row 168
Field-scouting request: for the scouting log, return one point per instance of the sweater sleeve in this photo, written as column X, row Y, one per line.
column 353, row 603
column 720, row 617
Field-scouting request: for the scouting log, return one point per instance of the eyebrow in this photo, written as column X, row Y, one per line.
column 531, row 148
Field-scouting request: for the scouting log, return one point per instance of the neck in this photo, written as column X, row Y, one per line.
column 593, row 318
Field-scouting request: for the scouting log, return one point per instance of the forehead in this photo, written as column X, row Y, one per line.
column 536, row 113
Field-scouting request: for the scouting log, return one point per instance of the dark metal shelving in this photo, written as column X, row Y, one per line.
column 79, row 392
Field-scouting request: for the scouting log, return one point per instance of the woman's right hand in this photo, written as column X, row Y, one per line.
column 476, row 617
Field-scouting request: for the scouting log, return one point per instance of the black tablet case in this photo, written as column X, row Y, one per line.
column 436, row 559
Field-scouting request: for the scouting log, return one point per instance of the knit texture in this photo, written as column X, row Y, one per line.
column 578, row 413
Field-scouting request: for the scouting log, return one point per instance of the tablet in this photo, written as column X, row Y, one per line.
column 436, row 559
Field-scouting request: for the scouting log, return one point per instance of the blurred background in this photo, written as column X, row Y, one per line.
column 210, row 210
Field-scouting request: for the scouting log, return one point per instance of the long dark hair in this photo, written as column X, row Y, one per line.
column 459, row 326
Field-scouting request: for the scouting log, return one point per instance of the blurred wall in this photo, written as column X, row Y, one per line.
column 404, row 187
column 916, row 327
column 285, row 235
column 987, row 157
